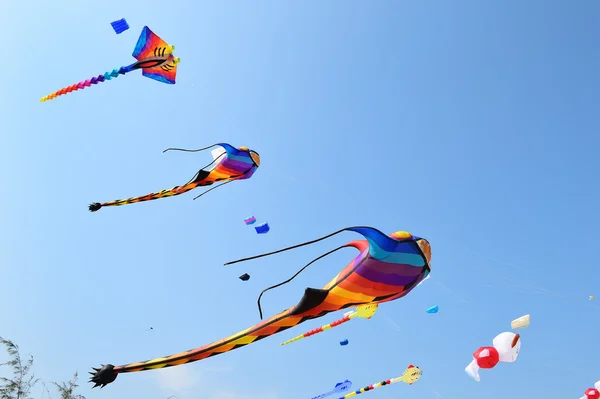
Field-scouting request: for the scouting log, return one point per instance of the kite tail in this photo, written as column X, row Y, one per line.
column 86, row 83
column 321, row 329
column 286, row 319
column 177, row 190
column 410, row 376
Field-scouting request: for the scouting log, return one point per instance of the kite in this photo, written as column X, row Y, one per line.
column 245, row 277
column 250, row 220
column 433, row 309
column 154, row 57
column 363, row 312
column 591, row 297
column 230, row 164
column 592, row 393
column 343, row 343
column 410, row 376
column 340, row 387
column 520, row 322
column 506, row 349
column 120, row 26
column 262, row 228
column 387, row 268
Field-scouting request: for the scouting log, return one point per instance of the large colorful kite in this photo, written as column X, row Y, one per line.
column 387, row 268
column 230, row 164
column 154, row 57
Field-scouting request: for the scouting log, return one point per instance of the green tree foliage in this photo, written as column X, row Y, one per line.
column 23, row 380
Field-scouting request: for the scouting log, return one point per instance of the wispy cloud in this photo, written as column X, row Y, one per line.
column 188, row 382
column 176, row 380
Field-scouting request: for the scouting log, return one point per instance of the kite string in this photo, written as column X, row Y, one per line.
column 186, row 150
column 288, row 248
column 294, row 276
column 513, row 284
column 209, row 190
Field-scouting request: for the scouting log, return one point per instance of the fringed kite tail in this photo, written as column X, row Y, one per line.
column 86, row 83
column 336, row 323
column 286, row 319
column 177, row 190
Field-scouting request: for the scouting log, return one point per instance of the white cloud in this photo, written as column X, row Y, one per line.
column 189, row 382
column 176, row 379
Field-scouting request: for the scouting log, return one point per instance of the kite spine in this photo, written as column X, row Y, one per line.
column 86, row 83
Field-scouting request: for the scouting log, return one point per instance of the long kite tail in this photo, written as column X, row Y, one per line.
column 410, row 376
column 86, row 83
column 347, row 317
column 177, row 190
column 108, row 373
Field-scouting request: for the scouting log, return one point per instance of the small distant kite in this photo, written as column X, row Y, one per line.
column 591, row 297
column 506, row 347
column 410, row 376
column 592, row 393
column 433, row 309
column 262, row 228
column 120, row 26
column 520, row 322
column 250, row 220
column 363, row 311
column 230, row 164
column 344, row 342
column 340, row 387
column 154, row 57
column 245, row 277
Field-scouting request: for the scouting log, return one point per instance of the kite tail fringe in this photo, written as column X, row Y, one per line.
column 86, row 83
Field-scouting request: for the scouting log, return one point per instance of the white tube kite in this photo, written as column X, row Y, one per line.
column 521, row 322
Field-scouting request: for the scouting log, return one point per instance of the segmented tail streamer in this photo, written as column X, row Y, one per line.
column 86, row 83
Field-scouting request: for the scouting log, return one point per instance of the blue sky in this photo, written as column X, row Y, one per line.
column 471, row 123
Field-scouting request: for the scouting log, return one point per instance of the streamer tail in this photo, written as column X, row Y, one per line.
column 86, row 83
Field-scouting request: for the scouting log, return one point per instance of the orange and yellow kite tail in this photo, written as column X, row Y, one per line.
column 364, row 312
column 410, row 376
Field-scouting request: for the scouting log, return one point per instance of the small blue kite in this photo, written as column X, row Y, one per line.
column 262, row 228
column 120, row 26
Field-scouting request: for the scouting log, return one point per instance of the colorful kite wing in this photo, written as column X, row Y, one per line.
column 151, row 45
column 148, row 44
